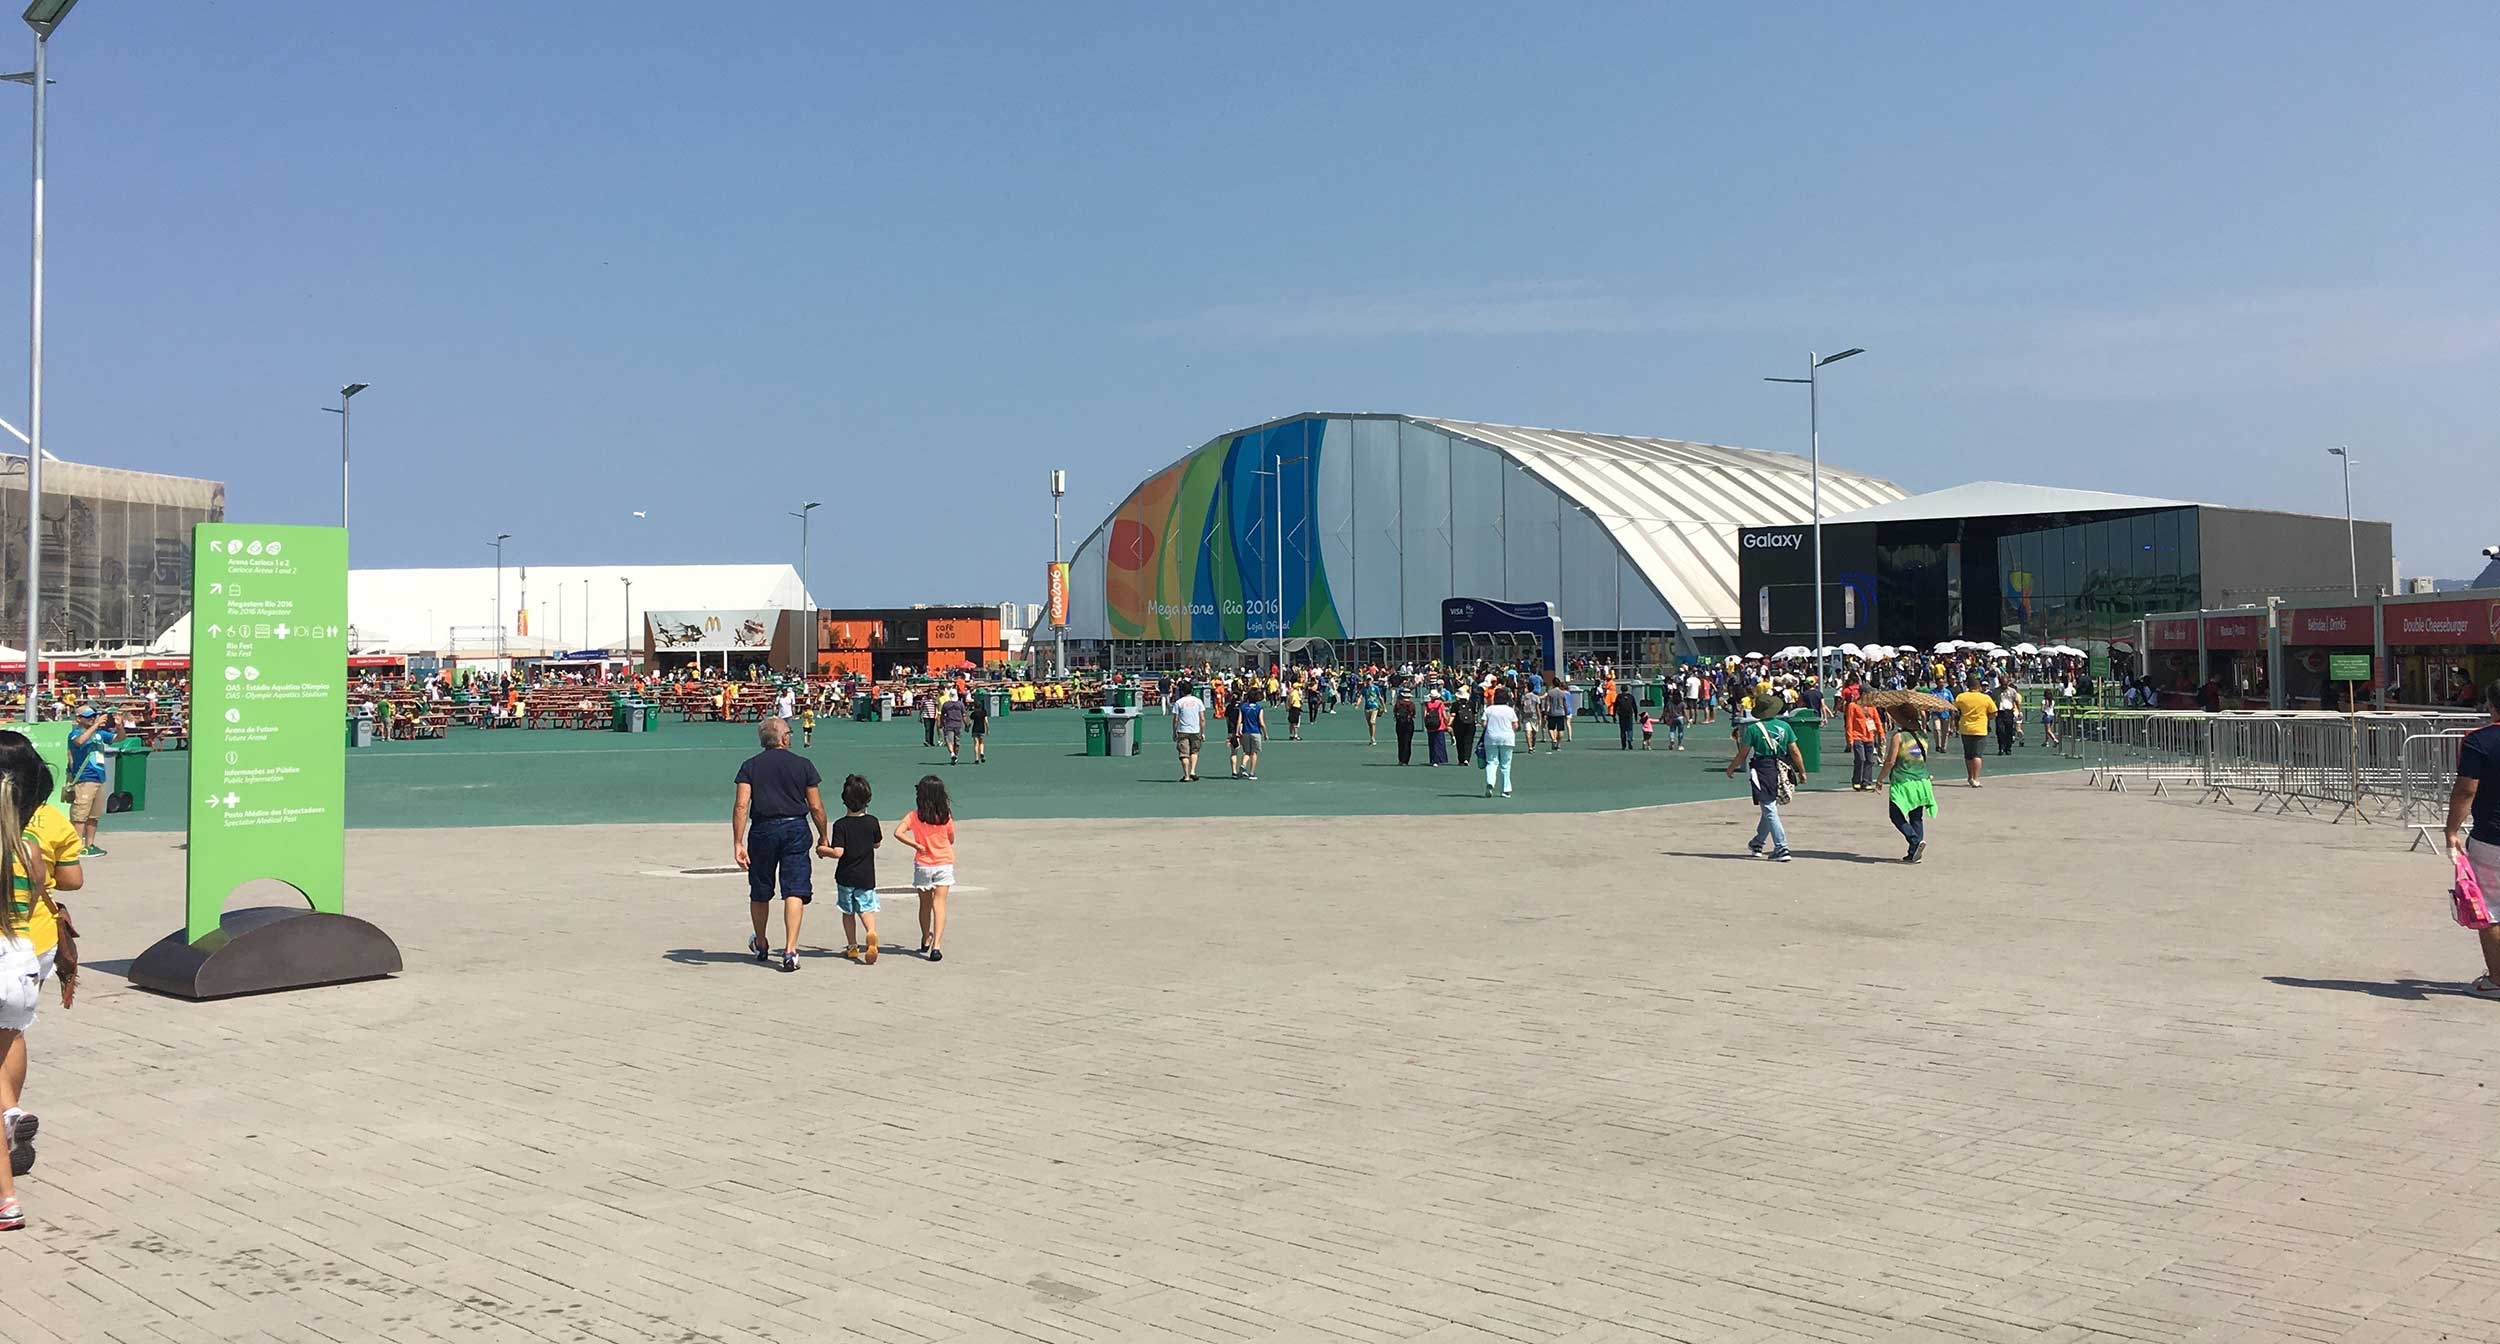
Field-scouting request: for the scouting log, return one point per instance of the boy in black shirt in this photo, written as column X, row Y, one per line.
column 853, row 848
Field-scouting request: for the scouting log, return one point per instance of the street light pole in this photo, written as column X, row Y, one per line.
column 807, row 603
column 2352, row 544
column 629, row 619
column 1814, row 435
column 340, row 410
column 1277, row 542
column 43, row 16
column 1058, row 487
column 500, row 539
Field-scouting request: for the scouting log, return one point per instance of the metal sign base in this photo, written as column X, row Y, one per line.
column 267, row 948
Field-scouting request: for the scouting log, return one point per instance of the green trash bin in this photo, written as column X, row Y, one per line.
column 997, row 703
column 1808, row 726
column 863, row 708
column 1121, row 697
column 1097, row 733
column 130, row 778
column 620, row 718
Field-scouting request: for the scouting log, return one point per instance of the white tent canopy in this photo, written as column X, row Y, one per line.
column 569, row 606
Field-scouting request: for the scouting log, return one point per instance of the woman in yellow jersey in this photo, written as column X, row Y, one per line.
column 35, row 860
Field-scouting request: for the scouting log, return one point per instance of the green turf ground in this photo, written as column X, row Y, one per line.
column 1037, row 769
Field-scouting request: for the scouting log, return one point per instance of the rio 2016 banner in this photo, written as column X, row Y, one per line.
column 1056, row 586
column 1193, row 554
column 268, row 714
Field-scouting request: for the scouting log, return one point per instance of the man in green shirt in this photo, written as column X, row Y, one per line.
column 1763, row 747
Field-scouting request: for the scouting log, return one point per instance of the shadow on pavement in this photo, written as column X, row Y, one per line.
column 2414, row 990
column 1827, row 855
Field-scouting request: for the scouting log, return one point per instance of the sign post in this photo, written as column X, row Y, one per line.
column 269, row 770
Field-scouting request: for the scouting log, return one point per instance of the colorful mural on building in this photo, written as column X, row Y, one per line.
column 1193, row 554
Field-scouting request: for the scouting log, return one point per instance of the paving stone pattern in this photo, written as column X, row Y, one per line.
column 2105, row 1068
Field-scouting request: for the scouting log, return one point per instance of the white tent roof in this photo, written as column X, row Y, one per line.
column 417, row 610
column 1674, row 507
column 1994, row 499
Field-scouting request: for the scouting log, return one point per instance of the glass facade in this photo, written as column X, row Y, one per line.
column 116, row 552
column 2091, row 579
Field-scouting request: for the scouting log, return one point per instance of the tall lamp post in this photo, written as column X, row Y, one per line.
column 1814, row 435
column 807, row 613
column 1280, row 460
column 345, row 394
column 2352, row 545
column 500, row 539
column 629, row 619
column 43, row 16
column 1058, row 487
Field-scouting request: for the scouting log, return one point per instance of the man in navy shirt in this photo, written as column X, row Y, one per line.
column 2476, row 795
column 777, row 798
column 1253, row 731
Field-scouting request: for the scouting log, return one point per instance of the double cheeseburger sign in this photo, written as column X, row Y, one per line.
column 2420, row 624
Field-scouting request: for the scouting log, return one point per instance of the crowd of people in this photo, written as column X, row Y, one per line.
column 1896, row 713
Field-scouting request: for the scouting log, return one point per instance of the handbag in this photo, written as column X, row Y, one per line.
column 2466, row 897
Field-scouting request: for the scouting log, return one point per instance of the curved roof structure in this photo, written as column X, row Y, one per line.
column 1675, row 506
column 1383, row 516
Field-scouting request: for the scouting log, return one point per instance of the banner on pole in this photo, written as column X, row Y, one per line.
column 1057, row 582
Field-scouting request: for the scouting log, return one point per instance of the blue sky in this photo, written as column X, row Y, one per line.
column 707, row 261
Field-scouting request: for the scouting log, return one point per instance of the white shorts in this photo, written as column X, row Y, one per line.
column 2486, row 861
column 941, row 876
column 22, row 974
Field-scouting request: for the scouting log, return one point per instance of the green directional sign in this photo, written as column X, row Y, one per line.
column 268, row 702
column 2348, row 667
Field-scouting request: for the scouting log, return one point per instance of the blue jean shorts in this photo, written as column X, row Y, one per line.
column 855, row 900
column 780, row 849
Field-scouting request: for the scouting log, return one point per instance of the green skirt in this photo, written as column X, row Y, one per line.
column 1912, row 794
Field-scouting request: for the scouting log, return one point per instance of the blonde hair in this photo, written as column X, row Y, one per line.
column 12, row 852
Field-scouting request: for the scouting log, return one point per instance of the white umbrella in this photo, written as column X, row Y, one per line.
column 1998, row 653
column 2026, row 650
column 1853, row 651
column 1949, row 646
column 1750, row 657
column 1795, row 651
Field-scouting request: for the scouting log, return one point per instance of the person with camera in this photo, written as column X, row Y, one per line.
column 88, row 772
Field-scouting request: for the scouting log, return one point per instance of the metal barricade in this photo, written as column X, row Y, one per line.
column 2426, row 768
column 2364, row 766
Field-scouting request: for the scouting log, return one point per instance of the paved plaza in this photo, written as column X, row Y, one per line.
column 2105, row 1068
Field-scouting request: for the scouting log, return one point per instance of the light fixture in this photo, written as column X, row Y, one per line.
column 45, row 15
